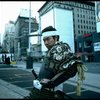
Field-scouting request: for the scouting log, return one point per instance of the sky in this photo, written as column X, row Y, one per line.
column 9, row 10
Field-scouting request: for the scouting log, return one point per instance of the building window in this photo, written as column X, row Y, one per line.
column 92, row 27
column 78, row 26
column 87, row 27
column 91, row 17
column 81, row 26
column 81, row 20
column 81, row 32
column 78, row 20
column 83, row 16
column 84, row 21
column 77, row 15
column 78, row 31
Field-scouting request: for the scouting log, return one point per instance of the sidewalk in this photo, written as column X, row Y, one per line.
column 92, row 82
column 10, row 91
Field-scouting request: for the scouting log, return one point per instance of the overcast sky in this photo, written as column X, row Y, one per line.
column 11, row 9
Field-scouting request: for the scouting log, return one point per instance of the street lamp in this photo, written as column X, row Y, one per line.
column 29, row 27
column 29, row 61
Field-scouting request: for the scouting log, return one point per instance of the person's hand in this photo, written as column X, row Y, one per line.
column 78, row 55
column 44, row 80
column 37, row 84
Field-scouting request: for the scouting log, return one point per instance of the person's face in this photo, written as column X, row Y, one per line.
column 49, row 41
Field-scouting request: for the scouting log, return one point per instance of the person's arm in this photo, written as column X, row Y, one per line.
column 58, row 54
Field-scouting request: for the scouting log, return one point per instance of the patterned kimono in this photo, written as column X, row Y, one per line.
column 53, row 59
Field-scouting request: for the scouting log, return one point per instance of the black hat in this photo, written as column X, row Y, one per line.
column 49, row 28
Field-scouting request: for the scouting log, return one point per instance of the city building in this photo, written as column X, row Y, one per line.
column 89, row 47
column 84, row 20
column 8, row 37
column 21, row 34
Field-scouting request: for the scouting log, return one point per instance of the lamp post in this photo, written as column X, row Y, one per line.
column 29, row 27
column 29, row 62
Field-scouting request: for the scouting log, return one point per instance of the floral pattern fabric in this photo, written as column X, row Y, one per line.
column 57, row 54
column 60, row 51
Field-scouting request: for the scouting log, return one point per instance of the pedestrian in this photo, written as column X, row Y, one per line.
column 53, row 72
column 3, row 58
column 8, row 60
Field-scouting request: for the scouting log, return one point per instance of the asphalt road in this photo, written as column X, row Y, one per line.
column 17, row 77
column 24, row 79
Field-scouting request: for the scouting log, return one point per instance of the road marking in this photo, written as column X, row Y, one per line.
column 20, row 75
column 17, row 75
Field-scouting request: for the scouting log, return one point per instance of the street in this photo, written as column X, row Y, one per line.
column 18, row 77
column 23, row 78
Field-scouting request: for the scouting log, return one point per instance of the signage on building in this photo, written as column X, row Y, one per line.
column 86, row 35
column 97, row 46
column 97, row 10
column 97, row 5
